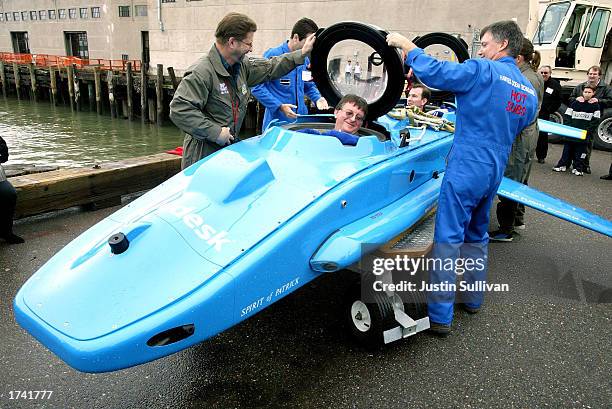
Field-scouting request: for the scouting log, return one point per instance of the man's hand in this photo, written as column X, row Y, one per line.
column 399, row 41
column 287, row 110
column 593, row 100
column 307, row 48
column 225, row 137
column 580, row 99
column 322, row 104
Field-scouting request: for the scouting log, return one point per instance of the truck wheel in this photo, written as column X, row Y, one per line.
column 603, row 136
column 369, row 315
column 558, row 118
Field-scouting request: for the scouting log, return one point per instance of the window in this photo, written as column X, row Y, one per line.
column 124, row 11
column 33, row 15
column 72, row 13
column 1, row 16
column 76, row 44
column 140, row 10
column 168, row 1
column 51, row 14
column 16, row 16
column 125, row 57
column 42, row 14
column 597, row 29
column 61, row 14
column 24, row 15
column 95, row 12
column 8, row 16
column 83, row 12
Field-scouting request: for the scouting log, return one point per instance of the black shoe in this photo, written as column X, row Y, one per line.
column 441, row 330
column 500, row 236
column 541, row 161
column 606, row 177
column 470, row 310
column 587, row 170
column 13, row 239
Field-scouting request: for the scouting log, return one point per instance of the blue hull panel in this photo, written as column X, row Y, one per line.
column 551, row 205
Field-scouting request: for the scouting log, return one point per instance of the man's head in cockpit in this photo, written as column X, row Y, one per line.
column 350, row 113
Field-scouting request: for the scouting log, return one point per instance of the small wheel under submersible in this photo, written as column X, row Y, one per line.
column 370, row 313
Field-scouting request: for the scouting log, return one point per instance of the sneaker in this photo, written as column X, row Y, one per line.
column 519, row 226
column 441, row 330
column 500, row 236
column 573, row 171
column 587, row 170
column 560, row 168
column 578, row 173
column 606, row 177
column 541, row 161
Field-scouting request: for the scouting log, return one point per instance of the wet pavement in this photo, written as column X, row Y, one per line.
column 547, row 342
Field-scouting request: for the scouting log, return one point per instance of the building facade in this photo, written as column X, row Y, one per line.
column 176, row 32
column 105, row 29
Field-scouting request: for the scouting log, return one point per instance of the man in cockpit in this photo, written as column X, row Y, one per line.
column 350, row 113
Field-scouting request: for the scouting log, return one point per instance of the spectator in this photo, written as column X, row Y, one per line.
column 551, row 101
column 8, row 200
column 348, row 70
column 582, row 113
column 603, row 96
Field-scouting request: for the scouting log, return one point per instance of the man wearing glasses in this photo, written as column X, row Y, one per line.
column 210, row 103
column 350, row 113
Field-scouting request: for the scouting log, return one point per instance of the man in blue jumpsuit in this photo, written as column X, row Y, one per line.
column 494, row 103
column 282, row 96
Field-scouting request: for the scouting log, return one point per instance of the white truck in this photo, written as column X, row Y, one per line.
column 571, row 37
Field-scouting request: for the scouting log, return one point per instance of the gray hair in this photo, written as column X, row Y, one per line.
column 506, row 30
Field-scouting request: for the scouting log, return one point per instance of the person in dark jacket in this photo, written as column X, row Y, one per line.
column 8, row 200
column 603, row 96
column 550, row 103
column 585, row 114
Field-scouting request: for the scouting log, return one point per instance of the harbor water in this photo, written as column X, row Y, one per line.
column 44, row 134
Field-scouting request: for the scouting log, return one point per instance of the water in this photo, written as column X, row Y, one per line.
column 43, row 134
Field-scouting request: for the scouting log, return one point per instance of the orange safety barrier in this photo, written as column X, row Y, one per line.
column 46, row 60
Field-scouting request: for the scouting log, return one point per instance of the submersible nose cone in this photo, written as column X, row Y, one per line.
column 118, row 243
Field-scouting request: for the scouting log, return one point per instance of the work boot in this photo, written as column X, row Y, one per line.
column 470, row 310
column 541, row 161
column 606, row 177
column 12, row 238
column 441, row 330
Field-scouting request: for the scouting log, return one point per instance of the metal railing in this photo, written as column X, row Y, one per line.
column 46, row 60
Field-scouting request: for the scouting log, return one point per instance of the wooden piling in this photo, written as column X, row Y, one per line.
column 111, row 96
column 33, row 82
column 143, row 92
column 70, row 71
column 17, row 79
column 3, row 78
column 91, row 96
column 53, row 81
column 98, row 89
column 130, row 85
column 77, row 88
column 152, row 110
column 173, row 78
column 159, row 91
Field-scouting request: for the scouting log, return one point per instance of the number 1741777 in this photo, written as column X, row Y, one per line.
column 29, row 395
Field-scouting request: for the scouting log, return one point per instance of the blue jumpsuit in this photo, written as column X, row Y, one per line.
column 288, row 89
column 494, row 103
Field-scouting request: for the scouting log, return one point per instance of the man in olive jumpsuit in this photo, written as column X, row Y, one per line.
column 211, row 100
